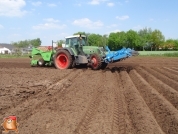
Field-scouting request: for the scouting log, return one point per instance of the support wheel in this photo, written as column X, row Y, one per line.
column 95, row 62
column 41, row 62
column 63, row 59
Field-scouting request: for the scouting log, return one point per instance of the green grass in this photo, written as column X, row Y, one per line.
column 171, row 54
column 159, row 53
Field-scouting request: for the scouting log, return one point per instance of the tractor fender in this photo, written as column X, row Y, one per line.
column 67, row 49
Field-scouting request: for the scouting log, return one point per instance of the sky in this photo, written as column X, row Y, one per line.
column 55, row 19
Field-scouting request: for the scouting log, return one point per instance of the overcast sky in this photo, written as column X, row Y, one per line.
column 54, row 19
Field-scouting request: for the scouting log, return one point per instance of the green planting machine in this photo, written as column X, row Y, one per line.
column 77, row 52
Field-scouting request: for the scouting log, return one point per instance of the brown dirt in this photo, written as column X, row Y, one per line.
column 135, row 96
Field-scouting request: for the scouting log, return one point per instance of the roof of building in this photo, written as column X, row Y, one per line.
column 9, row 46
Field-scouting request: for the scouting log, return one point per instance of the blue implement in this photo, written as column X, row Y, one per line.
column 114, row 56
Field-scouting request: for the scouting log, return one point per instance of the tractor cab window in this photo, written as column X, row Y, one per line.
column 67, row 41
column 81, row 41
column 75, row 41
column 71, row 41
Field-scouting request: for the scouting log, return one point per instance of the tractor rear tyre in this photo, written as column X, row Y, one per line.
column 41, row 62
column 95, row 61
column 63, row 59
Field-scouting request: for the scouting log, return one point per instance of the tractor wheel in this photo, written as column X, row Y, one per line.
column 41, row 62
column 63, row 59
column 104, row 65
column 95, row 61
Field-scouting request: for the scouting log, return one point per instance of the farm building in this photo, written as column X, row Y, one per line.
column 10, row 49
column 4, row 50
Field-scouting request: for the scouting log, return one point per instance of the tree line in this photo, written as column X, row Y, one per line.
column 144, row 39
column 27, row 43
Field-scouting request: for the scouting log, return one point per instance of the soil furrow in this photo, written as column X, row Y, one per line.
column 166, row 73
column 169, row 93
column 142, row 119
column 119, row 111
column 83, row 126
column 164, row 112
column 171, row 70
column 163, row 78
column 175, row 68
column 110, row 113
column 86, row 123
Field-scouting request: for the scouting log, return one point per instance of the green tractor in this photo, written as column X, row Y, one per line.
column 76, row 52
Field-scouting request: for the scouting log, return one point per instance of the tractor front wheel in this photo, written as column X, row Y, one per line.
column 95, row 61
column 62, row 59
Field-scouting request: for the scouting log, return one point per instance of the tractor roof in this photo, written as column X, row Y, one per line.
column 74, row 36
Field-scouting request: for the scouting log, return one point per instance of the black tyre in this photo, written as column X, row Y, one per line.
column 41, row 62
column 63, row 59
column 95, row 61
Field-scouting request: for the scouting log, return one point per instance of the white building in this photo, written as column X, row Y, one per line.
column 4, row 50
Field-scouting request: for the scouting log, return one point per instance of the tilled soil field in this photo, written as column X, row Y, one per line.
column 135, row 96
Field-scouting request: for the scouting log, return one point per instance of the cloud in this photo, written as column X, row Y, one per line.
column 122, row 17
column 1, row 26
column 111, row 26
column 138, row 27
column 85, row 22
column 51, row 20
column 38, row 3
column 110, row 4
column 113, row 31
column 96, row 2
column 48, row 26
column 50, row 23
column 12, row 8
column 52, row 5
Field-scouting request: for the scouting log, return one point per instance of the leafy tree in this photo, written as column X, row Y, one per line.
column 26, row 43
column 113, row 41
column 122, row 39
column 176, row 44
column 170, row 44
column 60, row 42
column 145, row 38
column 157, row 39
column 35, row 42
column 105, row 40
column 95, row 40
column 133, row 39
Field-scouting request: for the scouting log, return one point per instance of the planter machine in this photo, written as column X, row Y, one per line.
column 76, row 52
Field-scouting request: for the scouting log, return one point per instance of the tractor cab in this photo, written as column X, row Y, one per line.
column 72, row 41
column 76, row 42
